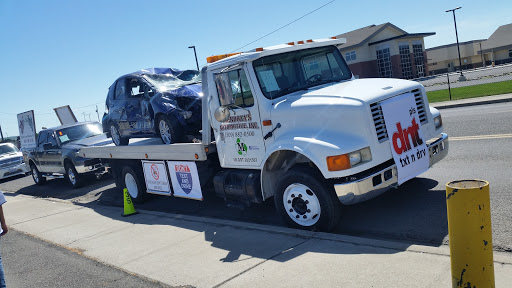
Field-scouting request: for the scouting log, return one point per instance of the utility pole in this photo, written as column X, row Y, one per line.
column 197, row 63
column 461, row 78
column 97, row 113
column 1, row 133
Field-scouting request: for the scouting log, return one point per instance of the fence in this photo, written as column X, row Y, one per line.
column 474, row 83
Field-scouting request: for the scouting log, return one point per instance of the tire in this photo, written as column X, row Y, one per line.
column 134, row 182
column 74, row 178
column 304, row 202
column 168, row 130
column 37, row 176
column 116, row 137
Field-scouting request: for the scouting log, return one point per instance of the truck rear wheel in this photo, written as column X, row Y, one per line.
column 306, row 203
column 37, row 176
column 134, row 182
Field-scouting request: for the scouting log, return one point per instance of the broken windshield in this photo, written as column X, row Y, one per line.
column 166, row 82
column 288, row 72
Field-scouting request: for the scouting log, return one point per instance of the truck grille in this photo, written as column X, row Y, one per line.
column 378, row 116
column 10, row 162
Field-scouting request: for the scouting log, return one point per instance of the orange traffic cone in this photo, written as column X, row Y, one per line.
column 128, row 204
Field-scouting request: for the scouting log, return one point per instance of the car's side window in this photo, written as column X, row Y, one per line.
column 120, row 89
column 136, row 89
column 51, row 139
column 242, row 94
column 41, row 139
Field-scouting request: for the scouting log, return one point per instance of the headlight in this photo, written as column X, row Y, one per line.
column 349, row 160
column 438, row 121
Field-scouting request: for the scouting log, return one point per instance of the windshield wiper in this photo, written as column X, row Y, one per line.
column 289, row 90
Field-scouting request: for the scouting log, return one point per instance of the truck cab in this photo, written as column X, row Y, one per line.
column 296, row 113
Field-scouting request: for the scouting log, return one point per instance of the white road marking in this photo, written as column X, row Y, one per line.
column 480, row 137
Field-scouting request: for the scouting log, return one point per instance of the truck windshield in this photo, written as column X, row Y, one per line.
column 166, row 82
column 79, row 132
column 288, row 72
column 8, row 149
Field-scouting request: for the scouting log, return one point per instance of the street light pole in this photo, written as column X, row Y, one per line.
column 457, row 37
column 194, row 47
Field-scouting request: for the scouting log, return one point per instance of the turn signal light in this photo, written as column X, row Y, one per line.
column 291, row 43
column 267, row 123
column 259, row 49
column 338, row 162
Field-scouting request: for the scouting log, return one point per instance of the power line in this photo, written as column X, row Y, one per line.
column 285, row 25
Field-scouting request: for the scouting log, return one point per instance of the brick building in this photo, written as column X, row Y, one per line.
column 385, row 51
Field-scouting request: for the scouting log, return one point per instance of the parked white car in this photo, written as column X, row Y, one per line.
column 11, row 161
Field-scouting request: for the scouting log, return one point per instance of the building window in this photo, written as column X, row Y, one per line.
column 419, row 59
column 405, row 61
column 350, row 56
column 384, row 63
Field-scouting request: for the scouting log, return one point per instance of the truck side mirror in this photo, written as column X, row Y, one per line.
column 222, row 114
column 224, row 89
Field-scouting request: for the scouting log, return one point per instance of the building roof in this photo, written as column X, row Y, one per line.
column 500, row 38
column 455, row 44
column 361, row 36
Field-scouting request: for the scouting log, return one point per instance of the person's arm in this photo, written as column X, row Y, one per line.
column 2, row 222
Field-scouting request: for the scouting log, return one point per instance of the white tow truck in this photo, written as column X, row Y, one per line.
column 290, row 122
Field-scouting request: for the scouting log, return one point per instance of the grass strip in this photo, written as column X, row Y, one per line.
column 471, row 91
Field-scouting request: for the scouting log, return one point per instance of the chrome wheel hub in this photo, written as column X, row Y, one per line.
column 131, row 185
column 165, row 132
column 301, row 204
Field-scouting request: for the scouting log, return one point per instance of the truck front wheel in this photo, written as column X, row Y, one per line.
column 306, row 203
column 134, row 182
column 74, row 178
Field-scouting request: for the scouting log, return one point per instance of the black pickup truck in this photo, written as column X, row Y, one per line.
column 56, row 154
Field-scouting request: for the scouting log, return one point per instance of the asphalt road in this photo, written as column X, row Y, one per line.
column 415, row 213
column 30, row 262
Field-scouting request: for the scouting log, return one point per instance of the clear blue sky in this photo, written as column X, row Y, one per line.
column 61, row 52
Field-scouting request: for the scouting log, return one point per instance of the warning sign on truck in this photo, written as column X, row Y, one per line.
column 185, row 180
column 156, row 178
column 408, row 146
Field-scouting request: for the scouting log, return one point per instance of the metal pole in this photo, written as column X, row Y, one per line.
column 469, row 229
column 197, row 63
column 482, row 55
column 457, row 37
column 449, row 90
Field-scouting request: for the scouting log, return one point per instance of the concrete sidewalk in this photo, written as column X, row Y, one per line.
column 183, row 250
column 473, row 101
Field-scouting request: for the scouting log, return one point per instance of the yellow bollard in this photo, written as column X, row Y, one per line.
column 469, row 229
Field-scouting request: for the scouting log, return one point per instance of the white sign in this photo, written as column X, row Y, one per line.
column 156, row 178
column 185, row 180
column 409, row 149
column 268, row 78
column 27, row 129
column 65, row 115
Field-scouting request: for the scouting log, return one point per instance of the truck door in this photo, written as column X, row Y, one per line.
column 39, row 153
column 53, row 155
column 239, row 138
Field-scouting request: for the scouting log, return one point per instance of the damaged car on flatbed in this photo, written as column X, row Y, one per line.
column 154, row 102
